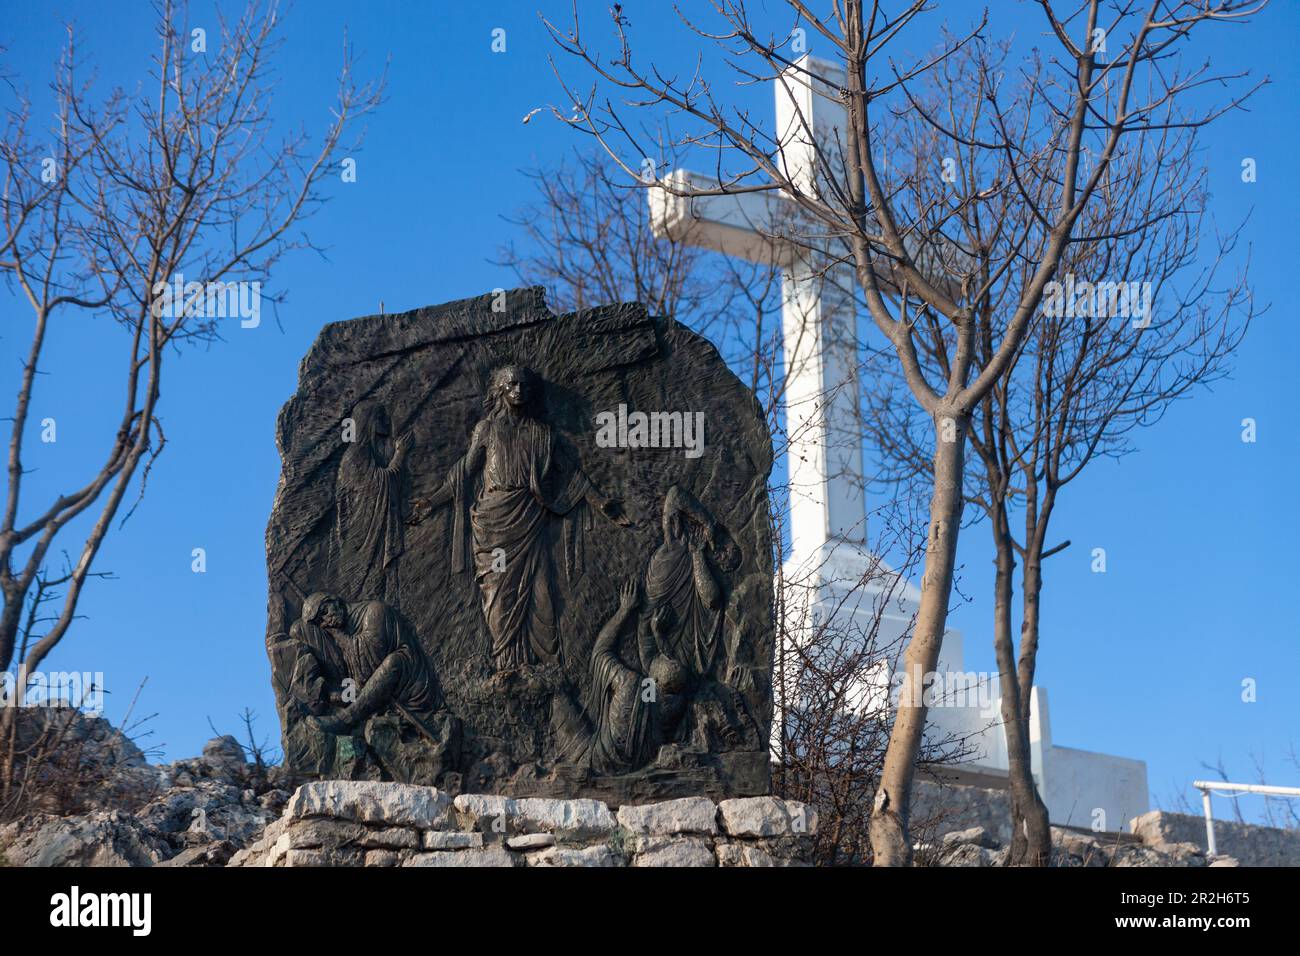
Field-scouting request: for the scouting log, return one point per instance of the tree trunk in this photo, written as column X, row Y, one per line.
column 1031, row 818
column 890, row 841
column 8, row 754
column 1026, row 846
column 10, row 617
column 1029, row 621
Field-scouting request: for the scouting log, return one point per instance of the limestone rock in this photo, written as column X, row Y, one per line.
column 1150, row 826
column 793, row 850
column 941, row 807
column 274, row 800
column 1250, row 844
column 451, row 840
column 969, row 854
column 102, row 838
column 1135, row 856
column 780, row 851
column 325, row 857
column 743, row 854
column 210, row 810
column 268, row 849
column 211, row 854
column 1081, row 849
column 111, row 771
column 224, row 751
column 686, row 815
column 766, row 816
column 976, row 835
column 326, row 832
column 655, row 851
column 395, row 804
column 487, row 856
column 278, row 851
column 531, row 841
column 1186, row 854
column 475, row 807
column 566, row 819
column 599, row 856
column 389, row 838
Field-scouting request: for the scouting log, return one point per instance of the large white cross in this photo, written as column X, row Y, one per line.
column 827, row 489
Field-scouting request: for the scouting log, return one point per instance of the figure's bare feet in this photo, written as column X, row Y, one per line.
column 324, row 725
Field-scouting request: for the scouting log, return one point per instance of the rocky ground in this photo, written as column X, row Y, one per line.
column 1072, row 848
column 220, row 809
column 129, row 812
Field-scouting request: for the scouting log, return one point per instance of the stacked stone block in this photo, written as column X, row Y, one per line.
column 350, row 823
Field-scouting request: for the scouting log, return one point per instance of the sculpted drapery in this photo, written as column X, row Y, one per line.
column 509, row 536
column 368, row 536
column 518, row 496
column 680, row 585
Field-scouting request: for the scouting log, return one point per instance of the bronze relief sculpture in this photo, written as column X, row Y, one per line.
column 477, row 607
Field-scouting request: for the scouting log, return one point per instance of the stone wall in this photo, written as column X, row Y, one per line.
column 1249, row 844
column 362, row 823
column 945, row 808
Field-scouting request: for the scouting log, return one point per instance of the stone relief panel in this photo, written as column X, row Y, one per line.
column 523, row 553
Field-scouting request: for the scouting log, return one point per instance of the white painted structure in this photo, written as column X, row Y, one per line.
column 829, row 545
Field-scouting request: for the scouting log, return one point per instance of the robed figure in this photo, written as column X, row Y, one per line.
column 378, row 655
column 360, row 674
column 630, row 708
column 681, row 585
column 519, row 495
column 368, row 536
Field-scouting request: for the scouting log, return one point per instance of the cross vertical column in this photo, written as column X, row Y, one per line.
column 827, row 491
column 827, row 487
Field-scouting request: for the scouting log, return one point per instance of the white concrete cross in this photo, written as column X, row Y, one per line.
column 827, row 495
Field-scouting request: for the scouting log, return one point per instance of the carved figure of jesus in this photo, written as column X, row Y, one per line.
column 518, row 493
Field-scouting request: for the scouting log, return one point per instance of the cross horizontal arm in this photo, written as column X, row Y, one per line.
column 747, row 225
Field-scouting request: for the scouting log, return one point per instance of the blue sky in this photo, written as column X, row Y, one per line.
column 1146, row 660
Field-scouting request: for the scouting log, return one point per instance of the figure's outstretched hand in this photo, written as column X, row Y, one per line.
column 629, row 595
column 612, row 508
column 421, row 508
column 698, row 536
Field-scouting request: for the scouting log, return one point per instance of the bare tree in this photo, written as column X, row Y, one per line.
column 133, row 192
column 1137, row 324
column 1045, row 146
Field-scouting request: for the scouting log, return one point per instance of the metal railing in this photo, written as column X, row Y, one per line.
column 1237, row 789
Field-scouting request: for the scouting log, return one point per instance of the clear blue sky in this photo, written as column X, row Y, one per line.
column 1147, row 660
